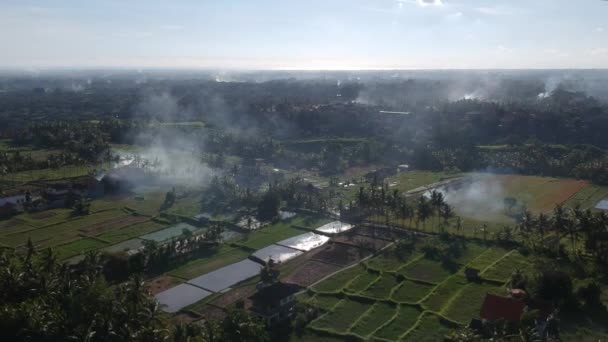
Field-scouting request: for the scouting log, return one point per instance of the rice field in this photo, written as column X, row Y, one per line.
column 415, row 299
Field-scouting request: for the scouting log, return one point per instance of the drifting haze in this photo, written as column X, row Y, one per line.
column 479, row 196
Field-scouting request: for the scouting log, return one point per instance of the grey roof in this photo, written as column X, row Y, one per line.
column 227, row 276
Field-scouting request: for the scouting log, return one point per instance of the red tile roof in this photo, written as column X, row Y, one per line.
column 497, row 307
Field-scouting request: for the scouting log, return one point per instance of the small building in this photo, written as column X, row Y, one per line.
column 501, row 308
column 472, row 274
column 275, row 303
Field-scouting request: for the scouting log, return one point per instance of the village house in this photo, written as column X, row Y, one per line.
column 275, row 303
column 510, row 309
column 496, row 308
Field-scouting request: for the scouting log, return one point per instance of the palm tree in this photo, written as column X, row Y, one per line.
column 423, row 211
column 458, row 225
column 437, row 202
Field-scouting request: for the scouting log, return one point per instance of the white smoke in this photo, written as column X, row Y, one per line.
column 166, row 153
column 550, row 85
column 475, row 95
column 479, row 196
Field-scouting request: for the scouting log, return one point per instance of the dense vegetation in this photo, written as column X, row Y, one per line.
column 43, row 300
column 305, row 146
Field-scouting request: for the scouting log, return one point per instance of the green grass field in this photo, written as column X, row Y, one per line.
column 78, row 247
column 132, row 231
column 467, row 302
column 406, row 318
column 342, row 316
column 388, row 262
column 588, row 197
column 414, row 179
column 221, row 257
column 426, row 270
column 382, row 305
column 17, row 178
column 324, row 302
column 502, row 270
column 428, row 328
column 60, row 233
column 382, row 287
column 340, row 280
column 410, row 292
column 362, row 282
column 375, row 317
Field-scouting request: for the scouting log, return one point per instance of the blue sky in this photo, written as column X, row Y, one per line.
column 311, row 34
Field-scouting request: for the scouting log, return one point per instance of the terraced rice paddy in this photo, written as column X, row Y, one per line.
column 410, row 299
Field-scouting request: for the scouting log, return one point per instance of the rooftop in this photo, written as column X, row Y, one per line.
column 497, row 307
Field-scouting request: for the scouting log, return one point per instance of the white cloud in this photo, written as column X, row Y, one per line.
column 504, row 49
column 599, row 52
column 491, row 11
column 599, row 29
column 172, row 27
column 425, row 3
column 455, row 15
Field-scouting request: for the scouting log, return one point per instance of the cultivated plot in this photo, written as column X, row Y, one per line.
column 277, row 253
column 304, row 242
column 169, row 233
column 375, row 317
column 335, row 227
column 228, row 276
column 128, row 246
column 406, row 317
column 180, row 296
column 342, row 316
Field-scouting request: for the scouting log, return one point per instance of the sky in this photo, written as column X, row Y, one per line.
column 309, row 35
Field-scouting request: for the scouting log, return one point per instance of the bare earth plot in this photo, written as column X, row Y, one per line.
column 310, row 272
column 338, row 254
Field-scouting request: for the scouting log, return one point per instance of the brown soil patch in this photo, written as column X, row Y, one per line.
column 379, row 233
column 160, row 284
column 43, row 215
column 310, row 272
column 113, row 224
column 567, row 189
column 339, row 254
column 234, row 295
column 362, row 241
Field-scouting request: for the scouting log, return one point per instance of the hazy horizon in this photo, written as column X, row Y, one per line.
column 316, row 35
